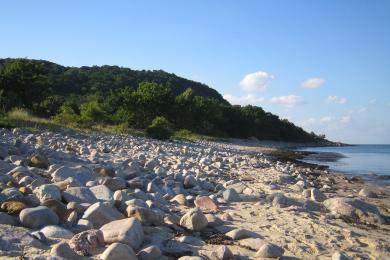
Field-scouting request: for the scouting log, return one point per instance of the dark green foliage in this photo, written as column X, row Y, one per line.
column 127, row 98
column 160, row 128
column 4, row 123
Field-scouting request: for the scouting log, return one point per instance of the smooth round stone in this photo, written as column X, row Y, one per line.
column 269, row 250
column 64, row 251
column 57, row 232
column 119, row 251
column 7, row 219
column 194, row 220
column 48, row 191
column 38, row 217
column 149, row 253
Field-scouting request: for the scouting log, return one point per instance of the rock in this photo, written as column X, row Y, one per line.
column 269, row 250
column 57, row 232
column 48, row 191
column 147, row 216
column 38, row 217
column 39, row 161
column 79, row 195
column 180, row 199
column 189, row 182
column 115, row 183
column 278, row 199
column 58, row 207
column 85, row 243
column 339, row 256
column 13, row 207
column 213, row 221
column 127, row 231
column 317, row 195
column 63, row 251
column 190, row 258
column 100, row 214
column 223, row 253
column 205, row 202
column 105, row 171
column 194, row 220
column 252, row 243
column 118, row 251
column 306, row 193
column 102, row 193
column 226, row 217
column 80, row 174
column 354, row 210
column 231, row 195
column 366, row 192
column 240, row 233
column 7, row 219
column 149, row 253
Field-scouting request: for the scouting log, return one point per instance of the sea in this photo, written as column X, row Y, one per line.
column 365, row 160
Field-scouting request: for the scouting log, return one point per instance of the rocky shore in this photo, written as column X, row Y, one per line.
column 66, row 195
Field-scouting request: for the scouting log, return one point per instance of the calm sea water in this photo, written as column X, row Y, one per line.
column 363, row 160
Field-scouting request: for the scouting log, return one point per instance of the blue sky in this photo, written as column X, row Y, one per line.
column 324, row 65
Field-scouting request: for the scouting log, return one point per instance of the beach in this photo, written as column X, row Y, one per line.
column 180, row 200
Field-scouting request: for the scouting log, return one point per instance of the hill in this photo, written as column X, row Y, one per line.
column 116, row 95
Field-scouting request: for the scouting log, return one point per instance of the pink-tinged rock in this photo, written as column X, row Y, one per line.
column 86, row 242
column 205, row 202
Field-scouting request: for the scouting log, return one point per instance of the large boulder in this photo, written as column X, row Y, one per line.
column 354, row 210
column 38, row 217
column 194, row 220
column 127, row 231
column 100, row 214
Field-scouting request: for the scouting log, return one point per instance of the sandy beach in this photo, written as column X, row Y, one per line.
column 182, row 200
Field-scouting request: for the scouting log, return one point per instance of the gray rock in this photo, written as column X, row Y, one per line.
column 240, row 233
column 194, row 220
column 147, row 216
column 119, row 251
column 80, row 173
column 127, row 231
column 7, row 219
column 79, row 195
column 39, row 161
column 317, row 195
column 189, row 182
column 223, row 253
column 99, row 214
column 56, row 232
column 269, row 250
column 38, row 217
column 85, row 243
column 231, row 195
column 149, row 253
column 115, row 183
column 278, row 199
column 102, row 193
column 354, row 210
column 48, row 191
column 63, row 251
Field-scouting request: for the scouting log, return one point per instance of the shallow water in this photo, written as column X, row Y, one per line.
column 365, row 160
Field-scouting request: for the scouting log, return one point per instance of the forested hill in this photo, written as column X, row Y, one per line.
column 121, row 96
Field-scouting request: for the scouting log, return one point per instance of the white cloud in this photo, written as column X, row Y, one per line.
column 345, row 119
column 289, row 101
column 244, row 100
column 313, row 83
column 362, row 110
column 310, row 121
column 257, row 81
column 372, row 101
column 336, row 99
column 326, row 119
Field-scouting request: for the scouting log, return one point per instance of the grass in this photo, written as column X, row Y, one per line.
column 187, row 135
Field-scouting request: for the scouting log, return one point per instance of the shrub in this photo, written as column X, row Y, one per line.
column 19, row 114
column 91, row 112
column 66, row 116
column 4, row 123
column 160, row 128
